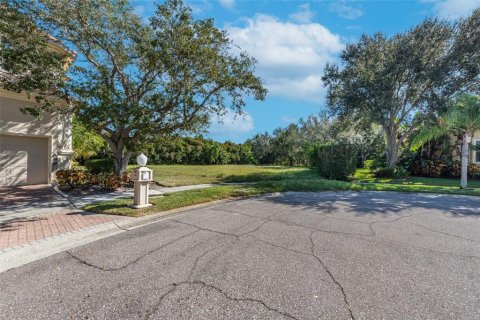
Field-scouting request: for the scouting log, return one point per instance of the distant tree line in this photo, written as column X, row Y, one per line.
column 198, row 150
column 294, row 145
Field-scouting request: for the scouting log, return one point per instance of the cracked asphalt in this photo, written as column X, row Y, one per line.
column 367, row 255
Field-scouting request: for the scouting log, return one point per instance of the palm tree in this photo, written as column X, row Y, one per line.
column 461, row 119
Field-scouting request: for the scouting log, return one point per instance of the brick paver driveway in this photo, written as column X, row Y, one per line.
column 16, row 197
column 32, row 213
column 290, row 256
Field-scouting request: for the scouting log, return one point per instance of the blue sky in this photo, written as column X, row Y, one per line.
column 293, row 40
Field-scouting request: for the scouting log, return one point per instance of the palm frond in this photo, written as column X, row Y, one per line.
column 429, row 133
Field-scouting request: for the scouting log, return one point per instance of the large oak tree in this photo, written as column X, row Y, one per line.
column 134, row 81
column 401, row 82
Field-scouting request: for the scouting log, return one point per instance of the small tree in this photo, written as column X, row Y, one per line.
column 462, row 119
column 135, row 82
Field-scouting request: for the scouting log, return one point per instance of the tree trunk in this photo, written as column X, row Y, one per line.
column 120, row 159
column 467, row 139
column 392, row 148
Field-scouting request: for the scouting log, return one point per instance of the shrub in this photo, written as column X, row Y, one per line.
column 336, row 161
column 400, row 172
column 107, row 181
column 373, row 164
column 97, row 166
column 74, row 178
column 83, row 179
column 386, row 172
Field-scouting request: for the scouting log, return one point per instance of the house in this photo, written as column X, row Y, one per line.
column 474, row 154
column 31, row 150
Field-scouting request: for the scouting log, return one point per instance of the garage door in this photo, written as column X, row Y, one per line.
column 23, row 160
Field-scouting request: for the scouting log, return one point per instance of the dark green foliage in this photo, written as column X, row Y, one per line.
column 136, row 80
column 403, row 81
column 26, row 56
column 336, row 161
column 374, row 163
column 388, row 172
column 97, row 166
column 179, row 150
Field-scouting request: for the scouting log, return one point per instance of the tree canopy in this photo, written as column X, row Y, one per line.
column 134, row 82
column 28, row 61
column 402, row 81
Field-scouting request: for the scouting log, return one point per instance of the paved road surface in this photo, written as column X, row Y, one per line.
column 291, row 256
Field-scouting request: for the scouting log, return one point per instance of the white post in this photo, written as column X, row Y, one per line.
column 141, row 177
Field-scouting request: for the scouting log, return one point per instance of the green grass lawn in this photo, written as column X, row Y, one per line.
column 181, row 175
column 365, row 175
column 284, row 180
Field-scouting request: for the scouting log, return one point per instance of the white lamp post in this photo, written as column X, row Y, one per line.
column 141, row 177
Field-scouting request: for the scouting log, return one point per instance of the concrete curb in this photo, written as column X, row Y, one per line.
column 11, row 258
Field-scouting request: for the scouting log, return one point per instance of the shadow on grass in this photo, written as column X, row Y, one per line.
column 281, row 174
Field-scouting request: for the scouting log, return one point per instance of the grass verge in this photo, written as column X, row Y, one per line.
column 192, row 197
column 365, row 175
column 181, row 175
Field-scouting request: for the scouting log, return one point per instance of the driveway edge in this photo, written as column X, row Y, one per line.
column 15, row 257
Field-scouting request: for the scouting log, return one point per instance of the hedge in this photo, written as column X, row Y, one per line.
column 335, row 161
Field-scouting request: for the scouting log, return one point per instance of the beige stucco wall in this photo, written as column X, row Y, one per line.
column 456, row 155
column 56, row 127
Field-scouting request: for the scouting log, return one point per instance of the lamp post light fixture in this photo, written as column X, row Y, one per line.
column 141, row 177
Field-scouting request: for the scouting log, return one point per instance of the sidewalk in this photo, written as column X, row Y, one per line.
column 81, row 201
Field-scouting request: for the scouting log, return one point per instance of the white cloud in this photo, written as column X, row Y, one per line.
column 289, row 119
column 346, row 11
column 229, row 4
column 231, row 124
column 453, row 9
column 200, row 6
column 303, row 15
column 139, row 10
column 291, row 57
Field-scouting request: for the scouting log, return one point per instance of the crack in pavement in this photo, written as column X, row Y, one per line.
column 441, row 232
column 312, row 248
column 372, row 235
column 266, row 220
column 312, row 254
column 370, row 225
column 197, row 260
column 89, row 264
column 177, row 285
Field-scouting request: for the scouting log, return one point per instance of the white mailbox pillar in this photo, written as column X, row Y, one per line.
column 141, row 177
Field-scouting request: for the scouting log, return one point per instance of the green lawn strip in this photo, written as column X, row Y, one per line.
column 365, row 175
column 171, row 201
column 332, row 185
column 192, row 197
column 180, row 175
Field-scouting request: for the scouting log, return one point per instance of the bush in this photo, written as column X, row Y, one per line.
column 386, row 172
column 373, row 164
column 97, row 166
column 83, row 179
column 335, row 161
column 107, row 181
column 74, row 178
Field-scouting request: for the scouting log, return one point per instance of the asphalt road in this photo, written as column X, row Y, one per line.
column 292, row 256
